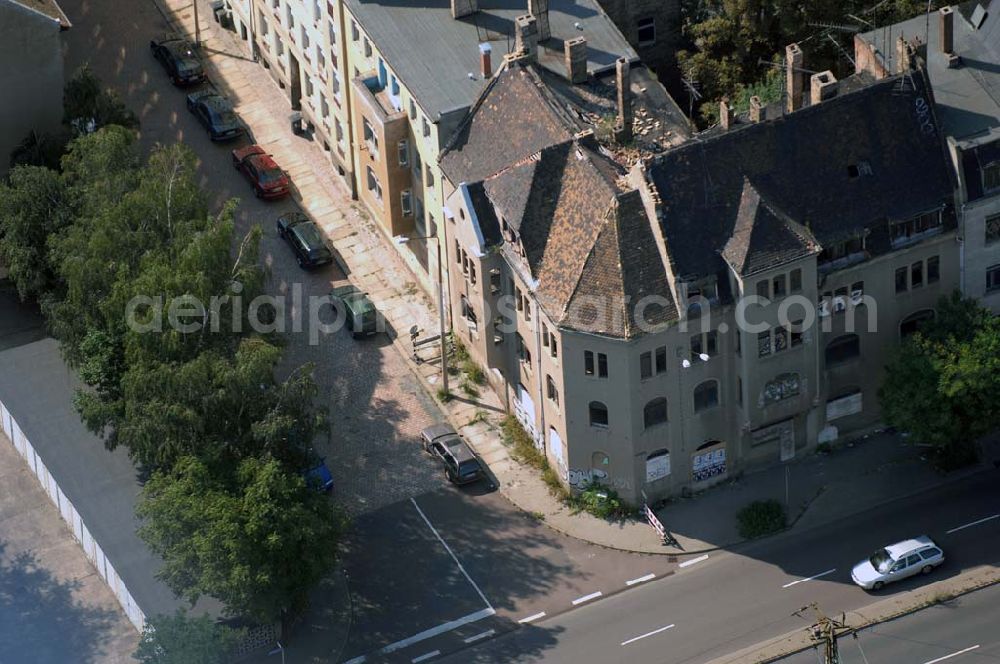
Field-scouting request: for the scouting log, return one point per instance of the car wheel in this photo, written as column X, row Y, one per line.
column 298, row 259
column 878, row 585
column 281, row 233
column 236, row 163
column 258, row 193
column 927, row 569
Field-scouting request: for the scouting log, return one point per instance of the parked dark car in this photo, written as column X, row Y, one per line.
column 260, row 169
column 360, row 314
column 178, row 59
column 305, row 238
column 216, row 113
column 461, row 464
column 319, row 476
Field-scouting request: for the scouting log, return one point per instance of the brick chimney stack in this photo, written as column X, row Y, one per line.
column 575, row 51
column 526, row 36
column 460, row 8
column 725, row 113
column 822, row 86
column 794, row 78
column 540, row 10
column 623, row 129
column 755, row 109
column 485, row 64
column 947, row 30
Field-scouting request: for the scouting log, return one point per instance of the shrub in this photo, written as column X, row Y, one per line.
column 602, row 502
column 444, row 395
column 761, row 517
column 522, row 446
column 470, row 390
column 474, row 372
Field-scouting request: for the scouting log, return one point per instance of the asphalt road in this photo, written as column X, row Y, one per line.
column 963, row 631
column 734, row 600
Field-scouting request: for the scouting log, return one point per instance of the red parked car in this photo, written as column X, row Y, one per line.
column 267, row 179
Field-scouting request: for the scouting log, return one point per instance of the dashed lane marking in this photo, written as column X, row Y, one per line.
column 479, row 637
column 641, row 579
column 532, row 618
column 954, row 654
column 974, row 523
column 693, row 561
column 426, row 656
column 587, row 598
column 810, row 578
column 655, row 631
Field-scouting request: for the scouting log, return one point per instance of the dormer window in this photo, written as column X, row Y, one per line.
column 859, row 169
column 844, row 252
column 915, row 228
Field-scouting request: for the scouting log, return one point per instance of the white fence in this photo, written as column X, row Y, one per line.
column 72, row 518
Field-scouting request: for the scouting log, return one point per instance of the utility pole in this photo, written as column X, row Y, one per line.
column 825, row 632
column 197, row 27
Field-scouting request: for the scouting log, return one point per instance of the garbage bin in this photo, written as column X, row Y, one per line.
column 296, row 120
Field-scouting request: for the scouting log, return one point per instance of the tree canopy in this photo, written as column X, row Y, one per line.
column 941, row 384
column 185, row 639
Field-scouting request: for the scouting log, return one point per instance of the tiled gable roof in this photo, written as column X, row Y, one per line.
column 887, row 132
column 513, row 120
column 763, row 236
column 623, row 270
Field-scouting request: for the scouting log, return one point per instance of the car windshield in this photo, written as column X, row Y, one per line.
column 468, row 467
column 269, row 175
column 881, row 560
column 310, row 235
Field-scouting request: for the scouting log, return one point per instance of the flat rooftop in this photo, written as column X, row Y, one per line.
column 968, row 96
column 432, row 53
column 37, row 388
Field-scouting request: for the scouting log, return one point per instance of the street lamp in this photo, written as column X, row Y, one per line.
column 402, row 239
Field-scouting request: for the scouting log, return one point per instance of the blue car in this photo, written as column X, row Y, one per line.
column 216, row 113
column 319, row 476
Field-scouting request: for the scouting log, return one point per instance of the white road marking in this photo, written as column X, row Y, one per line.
column 587, row 598
column 789, row 585
column 434, row 631
column 479, row 637
column 641, row 579
column 532, row 618
column 954, row 654
column 357, row 660
column 655, row 631
column 693, row 561
column 451, row 553
column 433, row 653
column 974, row 523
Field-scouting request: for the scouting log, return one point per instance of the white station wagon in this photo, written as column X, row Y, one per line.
column 919, row 555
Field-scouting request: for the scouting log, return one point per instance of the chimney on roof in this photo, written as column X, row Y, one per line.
column 822, row 86
column 540, row 10
column 460, row 8
column 725, row 113
column 526, row 36
column 947, row 30
column 623, row 129
column 756, row 109
column 575, row 51
column 903, row 60
column 485, row 65
column 794, row 78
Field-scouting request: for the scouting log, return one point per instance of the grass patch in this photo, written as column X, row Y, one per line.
column 761, row 517
column 469, row 389
column 523, row 450
column 824, row 448
column 444, row 395
column 475, row 372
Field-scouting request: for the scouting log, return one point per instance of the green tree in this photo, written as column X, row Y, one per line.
column 258, row 539
column 34, row 207
column 185, row 639
column 88, row 105
column 941, row 384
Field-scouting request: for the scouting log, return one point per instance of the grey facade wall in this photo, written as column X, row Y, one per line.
column 31, row 74
column 628, row 15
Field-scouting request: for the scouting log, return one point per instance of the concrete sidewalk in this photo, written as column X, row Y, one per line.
column 820, row 488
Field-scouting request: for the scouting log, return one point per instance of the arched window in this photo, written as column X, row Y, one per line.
column 657, row 465
column 598, row 414
column 782, row 387
column 912, row 323
column 655, row 412
column 706, row 395
column 843, row 349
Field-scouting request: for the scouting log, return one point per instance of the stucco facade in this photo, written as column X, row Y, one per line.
column 31, row 71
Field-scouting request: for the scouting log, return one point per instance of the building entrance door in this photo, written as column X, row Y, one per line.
column 295, row 76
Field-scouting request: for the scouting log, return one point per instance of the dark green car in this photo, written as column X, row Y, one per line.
column 360, row 314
